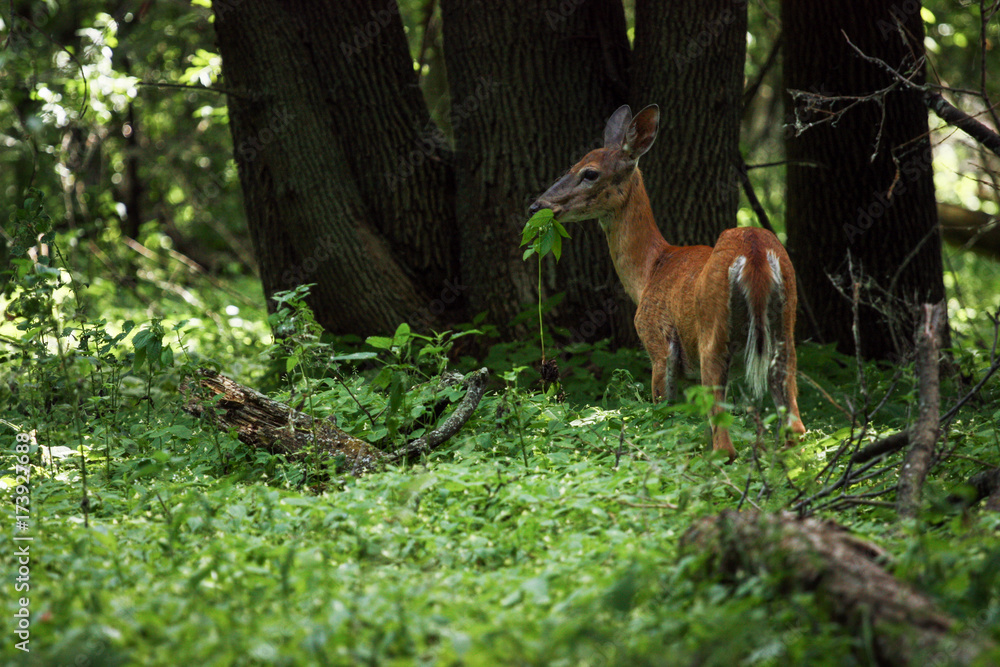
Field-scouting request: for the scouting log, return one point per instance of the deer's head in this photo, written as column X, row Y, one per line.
column 599, row 185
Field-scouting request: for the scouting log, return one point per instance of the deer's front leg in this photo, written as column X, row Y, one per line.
column 663, row 355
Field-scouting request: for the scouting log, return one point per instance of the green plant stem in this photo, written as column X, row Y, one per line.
column 541, row 331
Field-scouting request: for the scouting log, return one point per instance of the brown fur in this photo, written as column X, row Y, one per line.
column 685, row 314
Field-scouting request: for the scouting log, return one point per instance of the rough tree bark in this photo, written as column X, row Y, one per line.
column 872, row 194
column 348, row 184
column 345, row 182
column 689, row 59
column 532, row 85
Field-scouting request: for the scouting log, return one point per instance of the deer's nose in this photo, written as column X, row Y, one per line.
column 536, row 207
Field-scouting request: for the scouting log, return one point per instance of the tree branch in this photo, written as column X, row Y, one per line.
column 963, row 121
column 476, row 382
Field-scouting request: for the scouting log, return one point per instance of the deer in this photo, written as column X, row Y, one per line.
column 696, row 306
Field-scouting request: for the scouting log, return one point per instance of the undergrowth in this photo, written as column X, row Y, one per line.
column 546, row 532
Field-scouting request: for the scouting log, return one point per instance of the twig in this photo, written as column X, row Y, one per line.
column 208, row 89
column 758, row 208
column 772, row 57
column 886, row 445
column 746, row 491
column 477, row 387
column 856, row 332
column 944, row 109
column 825, row 394
column 845, row 481
column 931, row 98
column 340, row 378
column 621, row 443
column 888, row 392
column 849, row 500
column 933, row 232
column 648, row 506
column 779, row 163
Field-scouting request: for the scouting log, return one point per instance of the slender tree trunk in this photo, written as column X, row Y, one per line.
column 927, row 428
column 860, row 191
column 689, row 59
column 346, row 183
column 532, row 84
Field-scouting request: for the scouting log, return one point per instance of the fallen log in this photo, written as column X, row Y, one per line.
column 984, row 484
column 978, row 231
column 846, row 576
column 276, row 427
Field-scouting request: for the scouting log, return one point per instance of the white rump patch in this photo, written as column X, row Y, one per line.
column 736, row 271
column 775, row 265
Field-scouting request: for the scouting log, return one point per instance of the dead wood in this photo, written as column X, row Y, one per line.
column 886, row 445
column 984, row 484
column 974, row 230
column 276, row 427
column 476, row 382
column 845, row 573
column 924, row 433
column 263, row 423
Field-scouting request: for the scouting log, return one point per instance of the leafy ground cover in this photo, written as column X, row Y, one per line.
column 546, row 532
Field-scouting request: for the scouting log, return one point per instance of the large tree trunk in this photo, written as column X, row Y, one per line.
column 689, row 59
column 868, row 194
column 532, row 84
column 346, row 183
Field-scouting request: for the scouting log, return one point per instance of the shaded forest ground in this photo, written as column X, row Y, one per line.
column 546, row 531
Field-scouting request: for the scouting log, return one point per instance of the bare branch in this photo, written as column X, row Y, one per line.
column 476, row 382
column 963, row 121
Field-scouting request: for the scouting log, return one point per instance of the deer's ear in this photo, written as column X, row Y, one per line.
column 614, row 131
column 641, row 132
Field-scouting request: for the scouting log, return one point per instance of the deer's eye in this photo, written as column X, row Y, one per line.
column 589, row 175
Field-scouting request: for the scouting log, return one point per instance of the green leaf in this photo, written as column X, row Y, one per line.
column 545, row 243
column 140, row 357
column 379, row 342
column 402, row 335
column 141, row 339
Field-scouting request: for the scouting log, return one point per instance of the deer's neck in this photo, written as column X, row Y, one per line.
column 633, row 238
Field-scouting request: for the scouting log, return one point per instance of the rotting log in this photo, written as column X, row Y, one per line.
column 978, row 231
column 263, row 423
column 983, row 484
column 276, row 427
column 846, row 575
